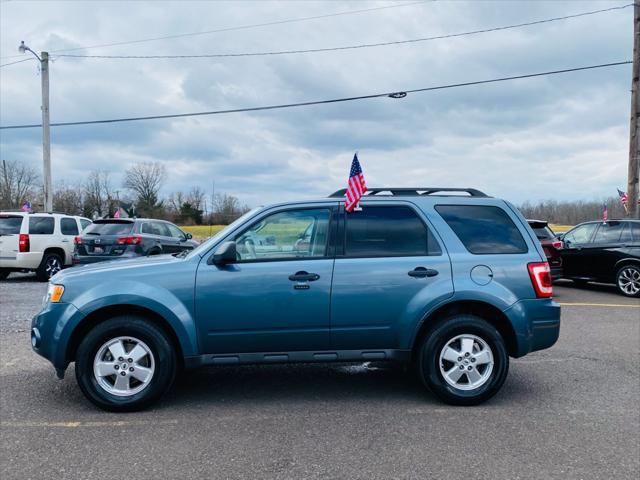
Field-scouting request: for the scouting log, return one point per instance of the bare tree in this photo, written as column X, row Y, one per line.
column 226, row 208
column 68, row 199
column 97, row 193
column 197, row 198
column 18, row 182
column 145, row 179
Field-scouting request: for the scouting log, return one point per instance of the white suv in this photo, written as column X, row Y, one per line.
column 40, row 242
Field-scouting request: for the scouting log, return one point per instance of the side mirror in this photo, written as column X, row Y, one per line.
column 188, row 235
column 225, row 254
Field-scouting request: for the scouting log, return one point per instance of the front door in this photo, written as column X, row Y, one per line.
column 275, row 298
column 391, row 270
column 578, row 249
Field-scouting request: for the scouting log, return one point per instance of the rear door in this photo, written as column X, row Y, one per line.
column 42, row 229
column 606, row 249
column 10, row 225
column 68, row 231
column 389, row 270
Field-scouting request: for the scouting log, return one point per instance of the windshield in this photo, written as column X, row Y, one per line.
column 206, row 245
column 109, row 228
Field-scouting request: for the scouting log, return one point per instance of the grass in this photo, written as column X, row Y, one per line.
column 560, row 228
column 202, row 232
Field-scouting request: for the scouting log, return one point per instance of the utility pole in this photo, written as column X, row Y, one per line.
column 46, row 138
column 43, row 58
column 634, row 137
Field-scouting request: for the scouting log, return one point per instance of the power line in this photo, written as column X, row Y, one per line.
column 396, row 94
column 19, row 61
column 352, row 47
column 229, row 29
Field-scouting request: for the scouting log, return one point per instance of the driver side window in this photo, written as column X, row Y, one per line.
column 288, row 235
column 580, row 235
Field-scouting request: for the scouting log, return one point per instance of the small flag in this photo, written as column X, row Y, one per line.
column 605, row 215
column 357, row 185
column 624, row 198
column 26, row 206
column 117, row 214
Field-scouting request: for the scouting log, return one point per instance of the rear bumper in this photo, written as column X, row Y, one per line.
column 556, row 273
column 536, row 323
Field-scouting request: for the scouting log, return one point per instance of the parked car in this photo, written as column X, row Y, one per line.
column 121, row 238
column 607, row 252
column 40, row 242
column 454, row 284
column 551, row 245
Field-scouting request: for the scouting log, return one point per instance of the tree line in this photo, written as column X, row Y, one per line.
column 140, row 196
column 97, row 197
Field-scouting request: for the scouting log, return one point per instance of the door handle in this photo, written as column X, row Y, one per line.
column 64, row 240
column 421, row 272
column 303, row 276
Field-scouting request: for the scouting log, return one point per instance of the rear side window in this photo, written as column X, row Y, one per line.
column 609, row 232
column 10, row 225
column 388, row 231
column 84, row 223
column 544, row 233
column 109, row 228
column 68, row 226
column 483, row 229
column 41, row 225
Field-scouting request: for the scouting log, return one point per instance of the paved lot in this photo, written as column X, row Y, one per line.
column 569, row 412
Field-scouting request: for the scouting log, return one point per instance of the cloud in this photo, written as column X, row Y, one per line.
column 563, row 136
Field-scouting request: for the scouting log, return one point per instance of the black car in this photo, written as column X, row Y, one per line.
column 607, row 252
column 119, row 238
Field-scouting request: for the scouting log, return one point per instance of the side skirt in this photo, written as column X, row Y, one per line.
column 297, row 357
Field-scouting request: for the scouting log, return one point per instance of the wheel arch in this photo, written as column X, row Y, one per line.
column 484, row 310
column 105, row 313
column 58, row 251
column 626, row 261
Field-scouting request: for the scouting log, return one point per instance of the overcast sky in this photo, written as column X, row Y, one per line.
column 563, row 136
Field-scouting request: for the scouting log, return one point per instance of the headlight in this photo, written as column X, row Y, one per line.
column 54, row 293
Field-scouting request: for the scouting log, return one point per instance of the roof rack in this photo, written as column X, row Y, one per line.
column 411, row 192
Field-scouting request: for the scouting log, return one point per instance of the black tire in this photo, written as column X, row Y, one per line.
column 4, row 273
column 51, row 264
column 628, row 280
column 440, row 337
column 164, row 358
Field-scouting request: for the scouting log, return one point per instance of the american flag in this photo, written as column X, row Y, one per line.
column 26, row 207
column 605, row 214
column 357, row 185
column 624, row 198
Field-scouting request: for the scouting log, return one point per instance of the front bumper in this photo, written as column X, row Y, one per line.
column 536, row 323
column 51, row 331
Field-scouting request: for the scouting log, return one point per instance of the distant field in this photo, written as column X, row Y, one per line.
column 560, row 228
column 201, row 232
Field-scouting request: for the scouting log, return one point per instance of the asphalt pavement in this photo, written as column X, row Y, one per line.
column 572, row 411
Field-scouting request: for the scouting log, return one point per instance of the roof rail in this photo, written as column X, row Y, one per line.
column 411, row 192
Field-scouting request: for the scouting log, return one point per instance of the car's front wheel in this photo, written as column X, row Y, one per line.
column 628, row 280
column 464, row 360
column 125, row 363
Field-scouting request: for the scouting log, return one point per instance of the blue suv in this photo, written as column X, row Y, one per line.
column 450, row 280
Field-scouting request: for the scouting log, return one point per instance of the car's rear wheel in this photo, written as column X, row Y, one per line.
column 464, row 360
column 50, row 265
column 125, row 363
column 628, row 280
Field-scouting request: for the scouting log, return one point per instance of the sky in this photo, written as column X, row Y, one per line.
column 558, row 137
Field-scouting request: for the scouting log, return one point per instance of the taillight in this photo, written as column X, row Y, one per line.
column 540, row 274
column 23, row 243
column 558, row 245
column 77, row 240
column 132, row 240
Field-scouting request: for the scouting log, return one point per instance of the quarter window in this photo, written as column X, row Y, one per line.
column 288, row 235
column 84, row 223
column 68, row 226
column 483, row 229
column 581, row 234
column 41, row 225
column 388, row 231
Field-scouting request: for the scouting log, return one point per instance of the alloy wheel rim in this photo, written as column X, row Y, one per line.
column 629, row 280
column 466, row 362
column 124, row 366
column 53, row 266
